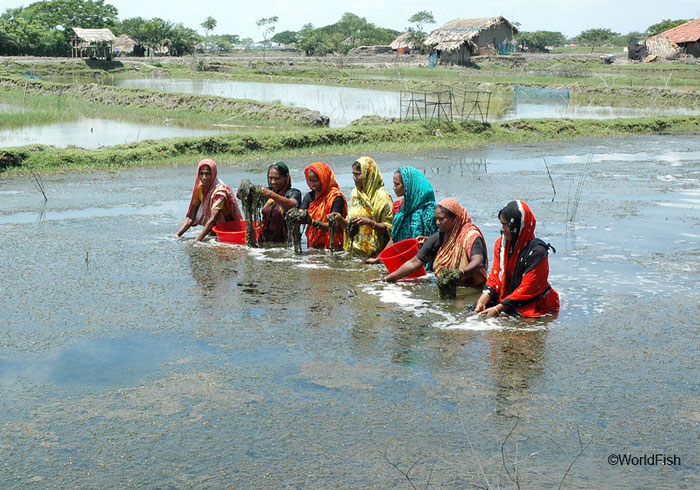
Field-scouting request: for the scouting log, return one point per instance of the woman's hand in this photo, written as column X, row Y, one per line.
column 421, row 240
column 266, row 192
column 490, row 312
column 341, row 222
column 371, row 260
column 363, row 220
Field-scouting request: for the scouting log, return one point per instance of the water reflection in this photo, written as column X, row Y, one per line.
column 341, row 104
column 94, row 133
column 517, row 359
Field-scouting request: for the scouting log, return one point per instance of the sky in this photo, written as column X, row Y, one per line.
column 567, row 16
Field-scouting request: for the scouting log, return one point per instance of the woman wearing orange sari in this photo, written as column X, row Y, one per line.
column 324, row 198
column 458, row 245
column 212, row 201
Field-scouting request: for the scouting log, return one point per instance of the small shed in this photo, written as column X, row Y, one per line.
column 125, row 45
column 93, row 43
column 685, row 36
column 460, row 39
column 403, row 44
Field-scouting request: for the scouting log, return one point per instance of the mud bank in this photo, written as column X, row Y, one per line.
column 145, row 98
column 390, row 137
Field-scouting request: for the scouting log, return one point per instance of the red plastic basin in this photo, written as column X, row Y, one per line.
column 234, row 231
column 400, row 253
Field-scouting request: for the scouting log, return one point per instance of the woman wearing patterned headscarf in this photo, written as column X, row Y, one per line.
column 415, row 216
column 323, row 199
column 371, row 210
column 458, row 245
column 212, row 201
column 519, row 280
column 280, row 197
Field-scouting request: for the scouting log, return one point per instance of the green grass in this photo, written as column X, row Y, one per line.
column 265, row 146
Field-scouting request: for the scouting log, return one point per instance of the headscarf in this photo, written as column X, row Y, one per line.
column 321, row 206
column 210, row 195
column 417, row 216
column 521, row 222
column 455, row 251
column 374, row 202
column 274, row 227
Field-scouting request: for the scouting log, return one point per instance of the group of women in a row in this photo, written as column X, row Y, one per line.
column 449, row 241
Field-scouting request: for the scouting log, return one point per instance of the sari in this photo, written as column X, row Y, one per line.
column 274, row 228
column 216, row 196
column 374, row 202
column 417, row 216
column 456, row 250
column 321, row 207
column 519, row 278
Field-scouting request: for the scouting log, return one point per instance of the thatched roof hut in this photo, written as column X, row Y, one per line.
column 460, row 39
column 403, row 42
column 127, row 46
column 95, row 43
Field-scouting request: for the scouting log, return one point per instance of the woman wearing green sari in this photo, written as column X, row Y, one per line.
column 416, row 217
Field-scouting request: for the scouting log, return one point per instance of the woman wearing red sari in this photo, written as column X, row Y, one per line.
column 212, row 201
column 325, row 198
column 519, row 280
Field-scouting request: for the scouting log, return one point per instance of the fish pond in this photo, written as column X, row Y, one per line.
column 130, row 358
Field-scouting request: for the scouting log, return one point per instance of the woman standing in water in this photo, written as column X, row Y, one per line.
column 323, row 199
column 212, row 201
column 458, row 245
column 280, row 197
column 416, row 215
column 371, row 211
column 519, row 281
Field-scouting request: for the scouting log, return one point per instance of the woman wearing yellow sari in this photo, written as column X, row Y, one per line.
column 371, row 211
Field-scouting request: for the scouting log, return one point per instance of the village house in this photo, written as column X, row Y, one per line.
column 460, row 39
column 685, row 39
column 92, row 43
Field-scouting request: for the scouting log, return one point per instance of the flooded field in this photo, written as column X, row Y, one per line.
column 129, row 356
column 93, row 133
column 341, row 104
column 344, row 105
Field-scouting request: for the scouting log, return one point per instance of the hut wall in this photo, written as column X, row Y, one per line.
column 460, row 56
column 693, row 49
column 495, row 34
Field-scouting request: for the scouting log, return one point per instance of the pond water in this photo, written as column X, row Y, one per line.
column 341, row 104
column 94, row 133
column 549, row 111
column 127, row 355
column 344, row 105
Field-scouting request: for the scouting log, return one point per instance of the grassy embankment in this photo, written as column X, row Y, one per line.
column 590, row 82
column 614, row 84
column 238, row 148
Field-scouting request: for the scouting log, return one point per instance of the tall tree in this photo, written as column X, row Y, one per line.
column 208, row 25
column 664, row 25
column 597, row 37
column 267, row 26
column 417, row 35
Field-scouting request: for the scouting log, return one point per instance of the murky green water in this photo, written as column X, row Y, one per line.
column 129, row 358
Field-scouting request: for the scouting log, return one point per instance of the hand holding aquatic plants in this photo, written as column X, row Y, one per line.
column 251, row 198
column 447, row 280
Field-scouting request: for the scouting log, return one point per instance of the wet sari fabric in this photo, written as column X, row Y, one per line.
column 520, row 275
column 456, row 250
column 374, row 202
column 321, row 206
column 216, row 196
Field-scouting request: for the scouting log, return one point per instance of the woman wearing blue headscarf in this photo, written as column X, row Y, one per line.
column 416, row 217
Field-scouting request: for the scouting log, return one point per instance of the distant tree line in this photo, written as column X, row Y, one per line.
column 44, row 28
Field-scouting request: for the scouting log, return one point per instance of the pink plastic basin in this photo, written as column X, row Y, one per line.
column 234, row 231
column 400, row 253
